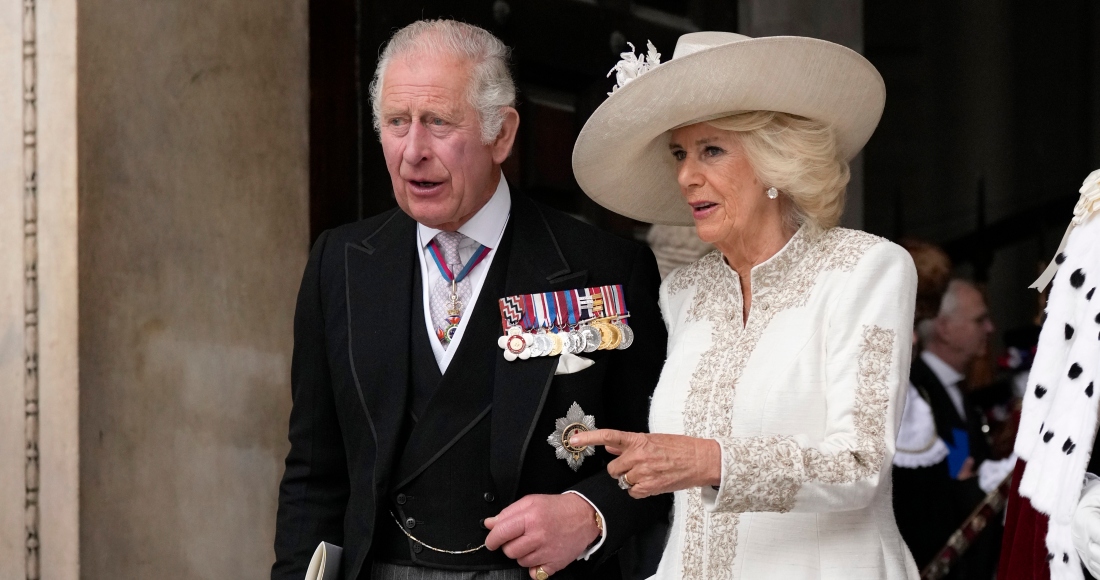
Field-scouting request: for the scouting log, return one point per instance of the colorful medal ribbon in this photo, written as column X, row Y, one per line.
column 454, row 312
column 572, row 321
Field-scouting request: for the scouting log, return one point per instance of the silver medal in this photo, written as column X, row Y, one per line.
column 576, row 342
column 592, row 338
column 575, row 421
column 628, row 335
column 543, row 345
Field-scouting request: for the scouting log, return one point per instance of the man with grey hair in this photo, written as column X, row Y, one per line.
column 417, row 443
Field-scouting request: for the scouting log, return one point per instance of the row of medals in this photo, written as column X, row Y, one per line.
column 601, row 334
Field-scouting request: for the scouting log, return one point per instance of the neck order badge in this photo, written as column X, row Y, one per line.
column 454, row 311
column 572, row 321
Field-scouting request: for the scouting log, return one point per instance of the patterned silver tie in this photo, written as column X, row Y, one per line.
column 440, row 302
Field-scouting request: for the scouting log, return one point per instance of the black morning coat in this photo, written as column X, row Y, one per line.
column 929, row 504
column 350, row 383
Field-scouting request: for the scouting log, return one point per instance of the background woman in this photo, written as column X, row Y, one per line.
column 776, row 413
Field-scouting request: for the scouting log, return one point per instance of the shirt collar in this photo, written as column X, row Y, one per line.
column 487, row 225
column 943, row 371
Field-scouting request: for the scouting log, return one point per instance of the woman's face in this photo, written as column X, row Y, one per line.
column 717, row 181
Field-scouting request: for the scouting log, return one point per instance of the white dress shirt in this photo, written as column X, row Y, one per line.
column 485, row 228
column 990, row 472
column 949, row 378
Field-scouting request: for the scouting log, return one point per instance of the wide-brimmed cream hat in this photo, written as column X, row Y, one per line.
column 621, row 159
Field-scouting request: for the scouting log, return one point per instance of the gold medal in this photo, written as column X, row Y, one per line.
column 606, row 334
column 557, row 344
column 616, row 336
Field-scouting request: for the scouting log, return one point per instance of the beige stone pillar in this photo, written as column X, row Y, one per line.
column 193, row 236
column 39, row 505
column 153, row 229
column 839, row 21
column 12, row 281
column 50, row 136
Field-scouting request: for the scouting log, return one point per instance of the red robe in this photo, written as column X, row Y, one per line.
column 1023, row 547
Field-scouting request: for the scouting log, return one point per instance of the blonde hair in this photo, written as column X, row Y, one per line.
column 797, row 156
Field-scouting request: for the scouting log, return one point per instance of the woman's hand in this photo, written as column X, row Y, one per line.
column 656, row 463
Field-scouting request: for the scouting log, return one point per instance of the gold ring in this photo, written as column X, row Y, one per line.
column 624, row 483
column 541, row 574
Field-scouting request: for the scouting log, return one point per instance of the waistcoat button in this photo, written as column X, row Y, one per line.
column 401, row 499
column 417, row 548
column 489, row 497
column 410, row 523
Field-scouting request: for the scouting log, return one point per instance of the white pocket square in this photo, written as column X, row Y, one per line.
column 570, row 363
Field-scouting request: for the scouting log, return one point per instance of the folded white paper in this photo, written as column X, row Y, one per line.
column 325, row 564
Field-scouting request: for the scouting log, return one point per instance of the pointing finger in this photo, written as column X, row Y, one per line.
column 619, row 439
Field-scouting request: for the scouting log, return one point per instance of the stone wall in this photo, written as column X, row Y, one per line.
column 193, row 236
column 12, row 441
column 153, row 229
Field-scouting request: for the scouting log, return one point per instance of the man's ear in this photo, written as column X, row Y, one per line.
column 940, row 331
column 502, row 146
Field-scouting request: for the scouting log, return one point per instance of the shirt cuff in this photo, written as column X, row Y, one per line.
column 603, row 534
column 991, row 473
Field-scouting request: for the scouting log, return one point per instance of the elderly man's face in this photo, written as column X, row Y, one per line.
column 441, row 171
column 967, row 329
column 718, row 182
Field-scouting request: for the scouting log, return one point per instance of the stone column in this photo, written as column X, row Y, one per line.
column 193, row 236
column 839, row 21
column 39, row 509
column 13, row 537
column 153, row 156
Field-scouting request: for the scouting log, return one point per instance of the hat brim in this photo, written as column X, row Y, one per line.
column 621, row 158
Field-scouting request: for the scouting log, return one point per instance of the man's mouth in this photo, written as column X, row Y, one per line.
column 425, row 184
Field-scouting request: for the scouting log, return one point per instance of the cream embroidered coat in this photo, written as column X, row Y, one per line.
column 805, row 399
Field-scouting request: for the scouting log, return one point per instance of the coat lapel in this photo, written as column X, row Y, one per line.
column 520, row 387
column 379, row 298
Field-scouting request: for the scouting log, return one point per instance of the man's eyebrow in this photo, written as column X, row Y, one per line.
column 446, row 115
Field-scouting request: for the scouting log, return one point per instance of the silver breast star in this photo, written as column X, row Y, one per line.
column 575, row 421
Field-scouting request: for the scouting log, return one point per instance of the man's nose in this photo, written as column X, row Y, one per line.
column 417, row 147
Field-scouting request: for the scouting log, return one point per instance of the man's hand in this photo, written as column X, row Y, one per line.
column 657, row 463
column 544, row 530
column 967, row 470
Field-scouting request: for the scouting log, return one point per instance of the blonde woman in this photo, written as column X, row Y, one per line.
column 776, row 413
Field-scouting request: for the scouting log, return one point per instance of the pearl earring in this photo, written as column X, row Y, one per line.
column 773, row 193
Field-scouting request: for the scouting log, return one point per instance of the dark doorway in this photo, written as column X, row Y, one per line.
column 563, row 50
